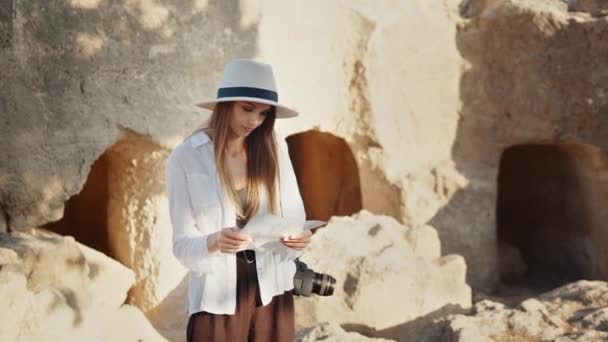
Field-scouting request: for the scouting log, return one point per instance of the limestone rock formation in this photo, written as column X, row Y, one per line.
column 53, row 288
column 138, row 226
column 574, row 312
column 108, row 71
column 519, row 86
column 124, row 207
column 427, row 94
column 390, row 280
column 79, row 75
column 523, row 82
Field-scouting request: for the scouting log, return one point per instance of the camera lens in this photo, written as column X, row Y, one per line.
column 307, row 281
column 323, row 284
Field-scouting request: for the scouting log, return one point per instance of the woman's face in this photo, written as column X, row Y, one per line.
column 247, row 116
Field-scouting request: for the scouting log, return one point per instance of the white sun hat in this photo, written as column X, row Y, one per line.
column 249, row 80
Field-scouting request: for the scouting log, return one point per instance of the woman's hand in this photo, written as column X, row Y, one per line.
column 228, row 240
column 298, row 242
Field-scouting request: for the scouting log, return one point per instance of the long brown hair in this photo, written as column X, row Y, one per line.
column 262, row 161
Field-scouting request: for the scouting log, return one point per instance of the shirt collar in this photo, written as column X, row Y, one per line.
column 199, row 138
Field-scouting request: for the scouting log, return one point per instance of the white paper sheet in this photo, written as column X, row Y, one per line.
column 267, row 230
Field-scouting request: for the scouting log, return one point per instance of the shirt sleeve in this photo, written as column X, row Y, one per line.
column 189, row 244
column 292, row 204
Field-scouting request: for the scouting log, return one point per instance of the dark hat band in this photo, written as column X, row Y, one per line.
column 248, row 92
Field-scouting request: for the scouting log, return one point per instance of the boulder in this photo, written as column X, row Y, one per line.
column 573, row 312
column 390, row 279
column 53, row 288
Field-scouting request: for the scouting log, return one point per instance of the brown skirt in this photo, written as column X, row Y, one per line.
column 252, row 321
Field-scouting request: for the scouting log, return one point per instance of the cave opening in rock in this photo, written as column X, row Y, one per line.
column 122, row 201
column 85, row 215
column 549, row 217
column 327, row 174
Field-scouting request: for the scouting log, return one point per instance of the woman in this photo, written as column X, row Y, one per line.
column 218, row 179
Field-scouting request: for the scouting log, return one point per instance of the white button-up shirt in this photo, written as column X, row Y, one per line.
column 198, row 207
